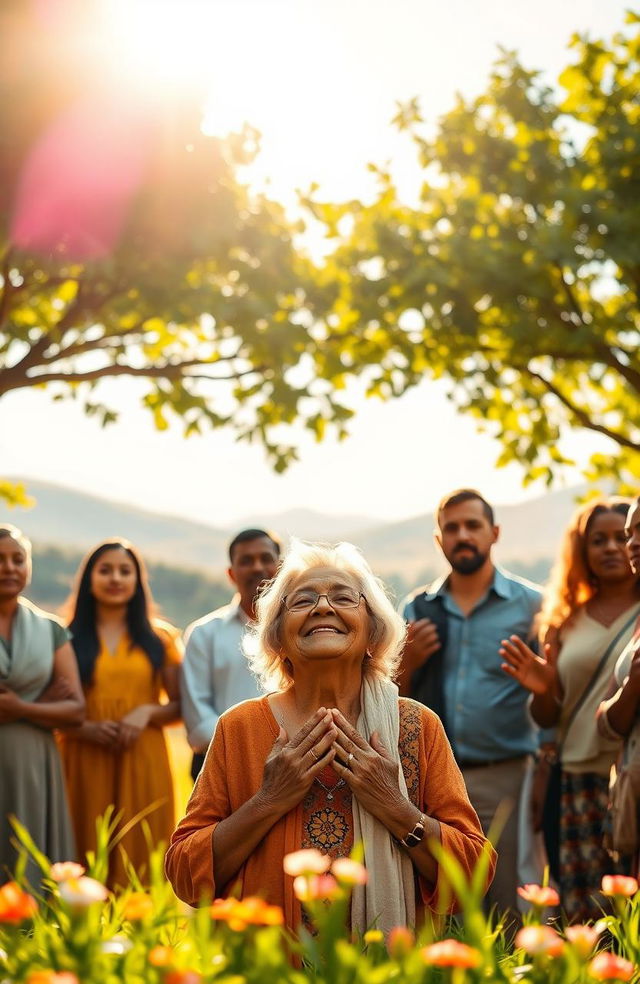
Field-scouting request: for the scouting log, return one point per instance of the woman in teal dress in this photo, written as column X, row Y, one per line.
column 39, row 691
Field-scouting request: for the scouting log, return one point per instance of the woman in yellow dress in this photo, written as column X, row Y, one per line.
column 127, row 662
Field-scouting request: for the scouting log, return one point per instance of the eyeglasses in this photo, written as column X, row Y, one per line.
column 306, row 601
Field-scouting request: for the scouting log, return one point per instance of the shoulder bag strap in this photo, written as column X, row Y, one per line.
column 594, row 676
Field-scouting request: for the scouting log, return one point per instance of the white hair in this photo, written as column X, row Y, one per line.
column 387, row 632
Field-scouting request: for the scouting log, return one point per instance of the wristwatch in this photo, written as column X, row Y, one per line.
column 413, row 838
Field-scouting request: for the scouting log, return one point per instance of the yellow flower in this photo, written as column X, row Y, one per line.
column 373, row 936
column 450, row 953
column 307, row 862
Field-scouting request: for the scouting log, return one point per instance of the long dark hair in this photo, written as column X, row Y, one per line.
column 82, row 609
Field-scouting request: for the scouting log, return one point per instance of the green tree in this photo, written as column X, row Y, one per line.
column 517, row 277
column 201, row 294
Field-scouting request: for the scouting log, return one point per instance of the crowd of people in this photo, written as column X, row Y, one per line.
column 484, row 711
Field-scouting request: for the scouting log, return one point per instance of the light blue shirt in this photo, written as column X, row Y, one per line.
column 215, row 672
column 486, row 710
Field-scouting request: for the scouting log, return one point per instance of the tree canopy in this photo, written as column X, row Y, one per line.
column 517, row 276
column 131, row 247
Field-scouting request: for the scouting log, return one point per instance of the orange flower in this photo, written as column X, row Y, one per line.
column 450, row 953
column 539, row 895
column 401, row 940
column 620, row 885
column 252, row 911
column 137, row 906
column 540, row 939
column 16, row 905
column 582, row 938
column 51, row 977
column 257, row 912
column 607, row 967
column 349, row 872
column 315, row 887
column 62, row 870
column 307, row 862
column 160, row 956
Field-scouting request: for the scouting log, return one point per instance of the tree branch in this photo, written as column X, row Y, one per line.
column 582, row 416
column 169, row 372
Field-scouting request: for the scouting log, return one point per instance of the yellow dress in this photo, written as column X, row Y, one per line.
column 132, row 779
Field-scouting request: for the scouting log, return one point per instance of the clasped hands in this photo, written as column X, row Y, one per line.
column 329, row 739
column 118, row 735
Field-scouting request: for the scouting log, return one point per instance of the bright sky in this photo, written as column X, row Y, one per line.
column 320, row 80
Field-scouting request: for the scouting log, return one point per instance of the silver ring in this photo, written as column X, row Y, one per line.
column 349, row 757
column 314, row 754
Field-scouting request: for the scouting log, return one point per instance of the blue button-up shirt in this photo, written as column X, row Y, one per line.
column 486, row 710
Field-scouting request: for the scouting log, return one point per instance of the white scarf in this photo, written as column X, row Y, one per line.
column 389, row 897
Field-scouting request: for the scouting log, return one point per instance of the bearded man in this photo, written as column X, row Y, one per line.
column 452, row 663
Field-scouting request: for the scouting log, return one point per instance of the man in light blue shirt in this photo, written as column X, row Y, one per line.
column 215, row 671
column 452, row 662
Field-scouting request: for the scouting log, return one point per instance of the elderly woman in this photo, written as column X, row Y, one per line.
column 330, row 758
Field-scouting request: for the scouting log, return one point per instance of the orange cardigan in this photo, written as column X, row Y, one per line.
column 232, row 774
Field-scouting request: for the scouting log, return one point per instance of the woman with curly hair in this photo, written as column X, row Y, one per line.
column 588, row 614
column 126, row 661
column 330, row 757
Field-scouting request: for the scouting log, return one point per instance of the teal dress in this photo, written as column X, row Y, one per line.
column 31, row 781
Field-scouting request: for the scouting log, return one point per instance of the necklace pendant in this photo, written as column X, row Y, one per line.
column 329, row 797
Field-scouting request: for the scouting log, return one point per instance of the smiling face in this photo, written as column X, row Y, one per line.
column 114, row 578
column 14, row 568
column 326, row 631
column 606, row 547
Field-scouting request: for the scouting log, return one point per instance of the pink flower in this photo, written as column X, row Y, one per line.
column 620, row 885
column 582, row 938
column 307, row 862
column 607, row 967
column 63, row 870
column 450, row 953
column 349, row 872
column 540, row 939
column 314, row 887
column 539, row 895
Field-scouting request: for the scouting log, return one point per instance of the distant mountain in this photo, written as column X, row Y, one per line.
column 63, row 517
column 310, row 525
column 403, row 552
